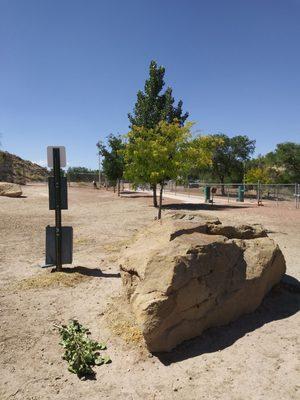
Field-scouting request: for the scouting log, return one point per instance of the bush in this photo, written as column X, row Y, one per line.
column 81, row 352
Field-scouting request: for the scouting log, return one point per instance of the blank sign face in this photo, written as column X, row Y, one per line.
column 66, row 245
column 62, row 153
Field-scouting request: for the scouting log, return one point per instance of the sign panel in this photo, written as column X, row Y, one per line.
column 62, row 154
column 66, row 242
column 63, row 193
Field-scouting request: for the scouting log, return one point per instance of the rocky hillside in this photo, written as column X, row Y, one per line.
column 15, row 169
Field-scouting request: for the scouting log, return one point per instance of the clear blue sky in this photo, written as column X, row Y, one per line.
column 70, row 69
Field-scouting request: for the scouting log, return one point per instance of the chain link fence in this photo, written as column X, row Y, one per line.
column 287, row 195
column 273, row 194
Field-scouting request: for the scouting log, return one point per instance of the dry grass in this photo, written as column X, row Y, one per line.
column 51, row 280
column 116, row 247
column 129, row 333
column 84, row 241
column 121, row 322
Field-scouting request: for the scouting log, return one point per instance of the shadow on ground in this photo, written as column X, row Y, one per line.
column 135, row 195
column 96, row 272
column 200, row 206
column 282, row 302
column 183, row 206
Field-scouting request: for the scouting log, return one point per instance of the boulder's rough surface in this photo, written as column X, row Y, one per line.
column 189, row 274
column 10, row 189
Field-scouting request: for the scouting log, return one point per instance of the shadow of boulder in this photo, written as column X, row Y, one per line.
column 282, row 302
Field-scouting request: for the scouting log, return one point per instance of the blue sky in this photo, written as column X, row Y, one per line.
column 70, row 69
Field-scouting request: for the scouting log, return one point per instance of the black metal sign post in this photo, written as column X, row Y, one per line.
column 59, row 239
column 58, row 230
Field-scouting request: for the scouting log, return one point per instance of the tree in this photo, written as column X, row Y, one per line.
column 113, row 159
column 262, row 169
column 82, row 174
column 230, row 155
column 287, row 157
column 153, row 106
column 164, row 152
column 261, row 174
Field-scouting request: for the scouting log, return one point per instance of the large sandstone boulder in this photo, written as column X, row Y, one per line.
column 10, row 189
column 189, row 274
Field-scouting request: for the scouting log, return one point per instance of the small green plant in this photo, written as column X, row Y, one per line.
column 81, row 352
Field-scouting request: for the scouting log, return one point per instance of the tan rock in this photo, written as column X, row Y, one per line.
column 10, row 189
column 183, row 277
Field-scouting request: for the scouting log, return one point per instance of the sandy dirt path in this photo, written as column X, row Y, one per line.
column 256, row 357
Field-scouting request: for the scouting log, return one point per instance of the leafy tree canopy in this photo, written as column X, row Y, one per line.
column 164, row 152
column 230, row 154
column 157, row 153
column 152, row 105
column 281, row 165
column 287, row 158
column 113, row 158
column 79, row 170
column 81, row 174
column 261, row 174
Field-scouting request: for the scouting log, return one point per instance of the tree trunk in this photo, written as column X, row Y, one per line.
column 160, row 200
column 154, row 196
column 118, row 183
column 222, row 187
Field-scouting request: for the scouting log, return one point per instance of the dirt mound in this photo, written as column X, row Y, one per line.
column 182, row 277
column 15, row 169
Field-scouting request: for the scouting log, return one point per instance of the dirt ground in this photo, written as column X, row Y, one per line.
column 256, row 357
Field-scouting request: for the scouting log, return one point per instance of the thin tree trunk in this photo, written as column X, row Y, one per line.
column 118, row 187
column 222, row 187
column 154, row 196
column 160, row 200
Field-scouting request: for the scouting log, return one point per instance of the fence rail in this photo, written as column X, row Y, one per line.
column 277, row 194
column 273, row 194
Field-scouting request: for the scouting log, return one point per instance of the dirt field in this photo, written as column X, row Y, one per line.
column 256, row 357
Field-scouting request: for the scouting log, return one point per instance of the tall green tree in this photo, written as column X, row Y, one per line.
column 113, row 159
column 153, row 106
column 230, row 156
